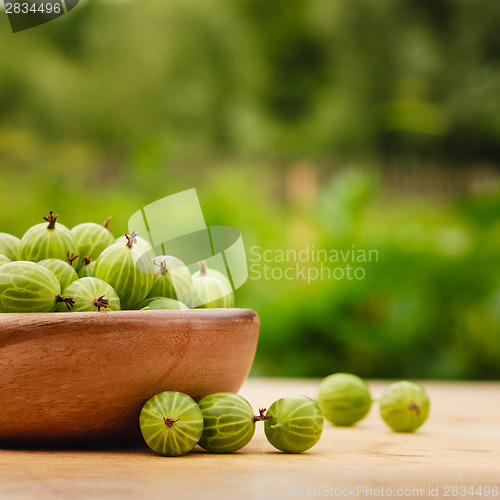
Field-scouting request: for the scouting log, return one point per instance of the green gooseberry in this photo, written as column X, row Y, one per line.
column 171, row 423
column 63, row 271
column 92, row 239
column 162, row 303
column 404, row 406
column 172, row 279
column 3, row 260
column 9, row 245
column 213, row 273
column 128, row 270
column 344, row 398
column 87, row 268
column 91, row 294
column 211, row 291
column 29, row 287
column 294, row 425
column 46, row 241
column 140, row 243
column 228, row 422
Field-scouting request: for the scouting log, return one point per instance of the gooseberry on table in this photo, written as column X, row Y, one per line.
column 404, row 406
column 295, row 424
column 344, row 398
column 171, row 423
column 228, row 422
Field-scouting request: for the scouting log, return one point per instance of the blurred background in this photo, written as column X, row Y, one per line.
column 330, row 123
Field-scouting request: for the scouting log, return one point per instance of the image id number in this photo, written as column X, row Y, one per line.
column 34, row 8
column 472, row 491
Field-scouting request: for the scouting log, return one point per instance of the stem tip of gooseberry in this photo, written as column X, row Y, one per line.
column 163, row 267
column 67, row 300
column 131, row 240
column 203, row 268
column 169, row 422
column 106, row 223
column 71, row 258
column 261, row 416
column 86, row 260
column 101, row 302
column 51, row 219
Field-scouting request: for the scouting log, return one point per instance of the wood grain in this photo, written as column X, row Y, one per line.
column 458, row 445
column 71, row 376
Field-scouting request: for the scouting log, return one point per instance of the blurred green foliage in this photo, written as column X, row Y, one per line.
column 117, row 104
column 429, row 307
column 161, row 81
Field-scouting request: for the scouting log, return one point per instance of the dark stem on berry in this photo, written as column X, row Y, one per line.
column 163, row 267
column 67, row 300
column 169, row 422
column 51, row 219
column 106, row 224
column 86, row 260
column 101, row 302
column 131, row 240
column 203, row 268
column 261, row 416
column 71, row 258
column 414, row 407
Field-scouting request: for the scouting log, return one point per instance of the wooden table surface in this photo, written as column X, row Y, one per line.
column 459, row 446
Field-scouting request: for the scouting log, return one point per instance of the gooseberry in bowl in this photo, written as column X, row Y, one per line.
column 128, row 270
column 4, row 260
column 140, row 242
column 29, row 287
column 87, row 268
column 9, row 245
column 210, row 291
column 49, row 239
column 91, row 294
column 162, row 303
column 172, row 279
column 91, row 239
column 64, row 272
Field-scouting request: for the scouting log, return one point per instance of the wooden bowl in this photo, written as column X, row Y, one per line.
column 85, row 376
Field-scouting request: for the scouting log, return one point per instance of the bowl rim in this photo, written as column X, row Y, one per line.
column 21, row 327
column 209, row 313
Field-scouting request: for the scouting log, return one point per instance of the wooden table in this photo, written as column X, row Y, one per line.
column 458, row 446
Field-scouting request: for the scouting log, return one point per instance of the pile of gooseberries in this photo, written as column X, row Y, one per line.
column 52, row 268
column 172, row 423
column 345, row 399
